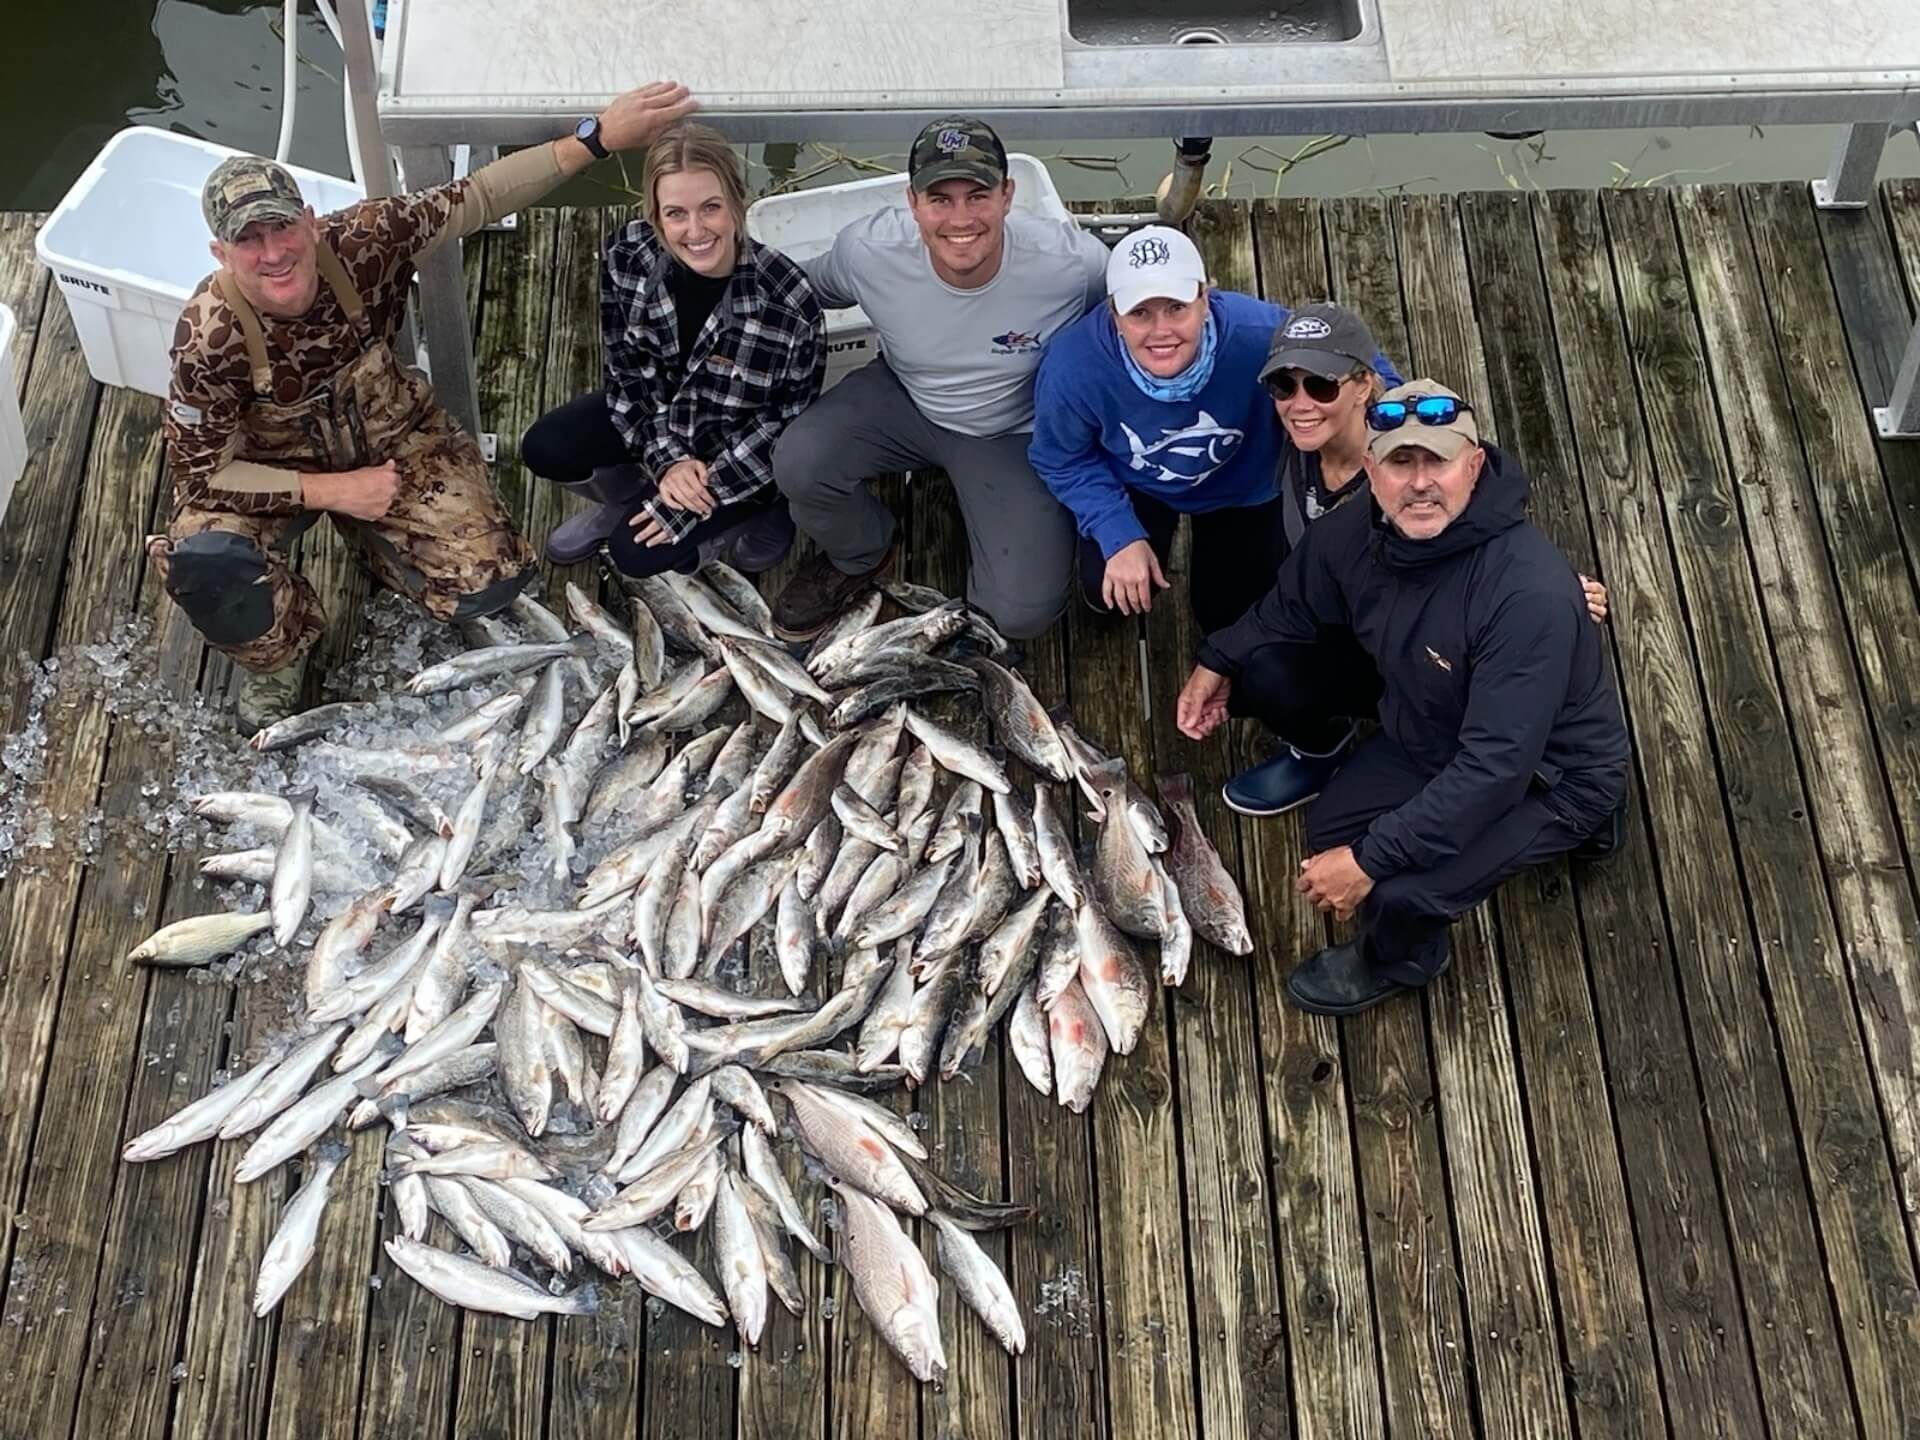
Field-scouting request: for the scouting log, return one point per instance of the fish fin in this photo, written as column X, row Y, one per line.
column 393, row 1109
column 1176, row 789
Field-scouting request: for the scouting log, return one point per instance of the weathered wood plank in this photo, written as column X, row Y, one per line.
column 963, row 1114
column 517, row 338
column 1859, row 840
column 500, row 1391
column 1857, row 1203
column 690, row 1385
column 1402, row 1180
column 1059, row 1390
column 1231, row 1043
column 1143, row 1239
column 75, row 1076
column 412, row 1349
column 1517, row 1359
column 1872, row 322
column 870, row 1391
column 596, row 1368
column 323, row 1329
column 152, row 1230
column 24, row 288
column 1790, row 1317
column 1603, row 1308
column 573, row 367
column 1688, row 1270
column 228, row 1354
column 413, row 1337
column 233, row 1360
column 35, row 542
column 783, row 1388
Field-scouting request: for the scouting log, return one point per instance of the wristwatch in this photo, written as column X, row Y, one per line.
column 587, row 132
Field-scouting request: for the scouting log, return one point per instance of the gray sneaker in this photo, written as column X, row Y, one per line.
column 268, row 696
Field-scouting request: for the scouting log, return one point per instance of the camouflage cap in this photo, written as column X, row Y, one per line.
column 246, row 188
column 956, row 148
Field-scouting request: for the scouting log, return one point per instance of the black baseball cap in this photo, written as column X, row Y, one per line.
column 958, row 147
column 1324, row 339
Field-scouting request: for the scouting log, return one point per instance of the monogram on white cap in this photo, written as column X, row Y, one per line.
column 1153, row 263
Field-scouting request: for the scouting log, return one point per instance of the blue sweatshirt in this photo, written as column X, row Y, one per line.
column 1096, row 435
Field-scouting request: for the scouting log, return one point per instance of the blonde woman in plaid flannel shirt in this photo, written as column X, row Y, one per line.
column 713, row 344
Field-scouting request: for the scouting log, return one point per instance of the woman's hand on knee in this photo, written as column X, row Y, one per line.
column 684, row 485
column 1596, row 594
column 1203, row 703
column 647, row 530
column 1133, row 571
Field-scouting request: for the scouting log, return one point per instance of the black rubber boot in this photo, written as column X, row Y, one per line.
column 1341, row 980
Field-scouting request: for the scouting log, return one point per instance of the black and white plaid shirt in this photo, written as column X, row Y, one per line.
column 756, row 363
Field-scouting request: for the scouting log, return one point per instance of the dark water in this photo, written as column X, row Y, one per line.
column 72, row 72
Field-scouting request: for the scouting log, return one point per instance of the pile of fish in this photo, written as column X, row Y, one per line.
column 569, row 1053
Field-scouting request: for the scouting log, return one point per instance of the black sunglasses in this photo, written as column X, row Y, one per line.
column 1427, row 409
column 1320, row 390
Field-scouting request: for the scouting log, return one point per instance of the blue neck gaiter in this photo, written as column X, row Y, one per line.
column 1184, row 386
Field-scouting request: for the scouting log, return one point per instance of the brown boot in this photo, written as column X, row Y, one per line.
column 269, row 696
column 819, row 592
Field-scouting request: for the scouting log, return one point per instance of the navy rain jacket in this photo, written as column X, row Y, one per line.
column 1496, row 679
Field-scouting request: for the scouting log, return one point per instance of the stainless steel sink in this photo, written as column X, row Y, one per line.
column 1213, row 22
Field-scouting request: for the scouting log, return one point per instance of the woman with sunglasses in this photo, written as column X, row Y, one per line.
column 1152, row 407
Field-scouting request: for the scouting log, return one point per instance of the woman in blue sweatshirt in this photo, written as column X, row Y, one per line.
column 1157, row 405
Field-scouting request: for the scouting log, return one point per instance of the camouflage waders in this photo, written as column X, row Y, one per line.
column 446, row 541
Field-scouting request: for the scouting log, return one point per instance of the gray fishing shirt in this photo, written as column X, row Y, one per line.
column 967, row 357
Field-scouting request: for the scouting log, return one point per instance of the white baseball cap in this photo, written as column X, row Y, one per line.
column 1154, row 263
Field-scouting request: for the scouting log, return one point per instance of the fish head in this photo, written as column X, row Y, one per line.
column 1109, row 778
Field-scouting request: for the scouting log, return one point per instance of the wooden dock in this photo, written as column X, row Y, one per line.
column 1647, row 1163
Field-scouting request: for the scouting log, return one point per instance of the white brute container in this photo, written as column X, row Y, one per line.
column 128, row 245
column 13, row 432
column 803, row 224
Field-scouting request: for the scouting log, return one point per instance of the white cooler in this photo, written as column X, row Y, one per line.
column 128, row 245
column 803, row 224
column 13, row 432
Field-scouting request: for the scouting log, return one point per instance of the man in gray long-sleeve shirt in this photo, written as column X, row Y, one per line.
column 963, row 295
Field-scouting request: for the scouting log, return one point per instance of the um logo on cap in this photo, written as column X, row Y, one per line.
column 1308, row 327
column 1149, row 252
column 950, row 142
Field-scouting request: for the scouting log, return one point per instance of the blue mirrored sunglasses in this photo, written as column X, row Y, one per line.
column 1427, row 409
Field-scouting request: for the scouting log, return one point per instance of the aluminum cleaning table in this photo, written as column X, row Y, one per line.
column 504, row 72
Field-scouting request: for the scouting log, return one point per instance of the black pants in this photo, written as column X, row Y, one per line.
column 1236, row 554
column 1404, row 919
column 1309, row 695
column 567, row 444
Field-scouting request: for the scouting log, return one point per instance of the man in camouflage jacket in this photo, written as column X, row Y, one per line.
column 287, row 401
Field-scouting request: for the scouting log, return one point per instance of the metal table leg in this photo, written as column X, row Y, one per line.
column 1899, row 418
column 1848, row 183
column 443, row 299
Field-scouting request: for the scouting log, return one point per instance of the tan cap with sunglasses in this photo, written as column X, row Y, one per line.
column 1445, row 438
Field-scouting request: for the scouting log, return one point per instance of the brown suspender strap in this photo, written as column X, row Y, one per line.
column 338, row 281
column 335, row 273
column 250, row 332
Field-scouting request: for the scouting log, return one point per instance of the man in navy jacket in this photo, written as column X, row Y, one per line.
column 1501, row 740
